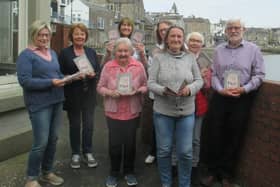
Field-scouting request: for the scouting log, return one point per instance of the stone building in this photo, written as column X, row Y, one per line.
column 172, row 16
column 275, row 37
column 16, row 16
column 125, row 8
column 259, row 36
column 201, row 25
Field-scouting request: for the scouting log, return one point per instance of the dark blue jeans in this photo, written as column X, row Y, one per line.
column 76, row 117
column 45, row 126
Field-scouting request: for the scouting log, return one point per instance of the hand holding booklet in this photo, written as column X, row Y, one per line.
column 73, row 77
column 124, row 86
column 84, row 64
column 175, row 88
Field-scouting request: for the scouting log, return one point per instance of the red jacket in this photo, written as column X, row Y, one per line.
column 201, row 104
column 201, row 99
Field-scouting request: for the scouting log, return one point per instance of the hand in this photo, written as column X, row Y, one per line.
column 204, row 72
column 232, row 92
column 139, row 47
column 128, row 94
column 114, row 94
column 169, row 92
column 81, row 76
column 91, row 75
column 110, row 46
column 58, row 82
column 185, row 91
column 239, row 90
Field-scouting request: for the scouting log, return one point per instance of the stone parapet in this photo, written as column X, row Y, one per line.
column 11, row 97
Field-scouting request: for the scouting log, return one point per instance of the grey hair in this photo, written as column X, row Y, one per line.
column 195, row 34
column 123, row 40
column 231, row 21
column 35, row 28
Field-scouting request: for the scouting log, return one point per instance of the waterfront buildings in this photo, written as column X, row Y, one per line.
column 100, row 16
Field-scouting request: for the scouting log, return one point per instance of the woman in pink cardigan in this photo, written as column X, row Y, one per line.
column 122, row 83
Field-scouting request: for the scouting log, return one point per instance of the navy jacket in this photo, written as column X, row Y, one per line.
column 76, row 97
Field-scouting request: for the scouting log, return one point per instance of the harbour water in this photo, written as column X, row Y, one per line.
column 272, row 67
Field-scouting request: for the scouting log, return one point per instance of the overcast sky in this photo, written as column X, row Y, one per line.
column 254, row 13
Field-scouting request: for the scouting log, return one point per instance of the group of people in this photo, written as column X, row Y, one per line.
column 168, row 92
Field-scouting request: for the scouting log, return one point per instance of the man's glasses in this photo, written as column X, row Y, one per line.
column 234, row 28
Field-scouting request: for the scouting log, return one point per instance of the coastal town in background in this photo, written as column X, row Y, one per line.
column 260, row 158
column 100, row 16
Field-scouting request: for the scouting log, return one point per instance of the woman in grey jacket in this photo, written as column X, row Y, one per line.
column 174, row 78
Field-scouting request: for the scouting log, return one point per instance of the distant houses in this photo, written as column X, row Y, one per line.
column 100, row 16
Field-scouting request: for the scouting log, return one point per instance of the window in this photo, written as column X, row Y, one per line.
column 110, row 6
column 100, row 23
column 8, row 31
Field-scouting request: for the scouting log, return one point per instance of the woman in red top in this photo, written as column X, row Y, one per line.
column 195, row 42
column 122, row 83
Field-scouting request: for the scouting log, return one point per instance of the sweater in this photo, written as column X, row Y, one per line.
column 124, row 107
column 168, row 70
column 35, row 75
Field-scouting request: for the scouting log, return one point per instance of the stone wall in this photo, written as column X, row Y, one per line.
column 260, row 159
column 259, row 164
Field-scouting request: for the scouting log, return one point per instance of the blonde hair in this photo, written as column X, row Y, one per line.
column 35, row 28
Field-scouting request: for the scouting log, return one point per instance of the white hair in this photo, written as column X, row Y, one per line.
column 123, row 40
column 195, row 34
column 231, row 21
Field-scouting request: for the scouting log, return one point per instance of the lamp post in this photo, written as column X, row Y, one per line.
column 71, row 16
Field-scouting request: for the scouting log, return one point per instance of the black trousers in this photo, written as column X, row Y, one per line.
column 147, row 125
column 81, row 120
column 122, row 145
column 223, row 135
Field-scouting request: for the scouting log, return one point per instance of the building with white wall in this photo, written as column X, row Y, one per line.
column 77, row 11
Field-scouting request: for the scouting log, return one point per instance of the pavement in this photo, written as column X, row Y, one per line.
column 12, row 171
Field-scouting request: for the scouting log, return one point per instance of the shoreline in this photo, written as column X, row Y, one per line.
column 266, row 51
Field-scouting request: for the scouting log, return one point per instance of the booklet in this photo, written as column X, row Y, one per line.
column 83, row 64
column 177, row 87
column 113, row 35
column 137, row 37
column 124, row 83
column 73, row 77
column 231, row 79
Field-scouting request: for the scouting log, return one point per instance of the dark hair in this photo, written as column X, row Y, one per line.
column 169, row 23
column 167, row 33
column 81, row 26
column 129, row 22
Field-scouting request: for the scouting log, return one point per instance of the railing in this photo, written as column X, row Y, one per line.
column 65, row 19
